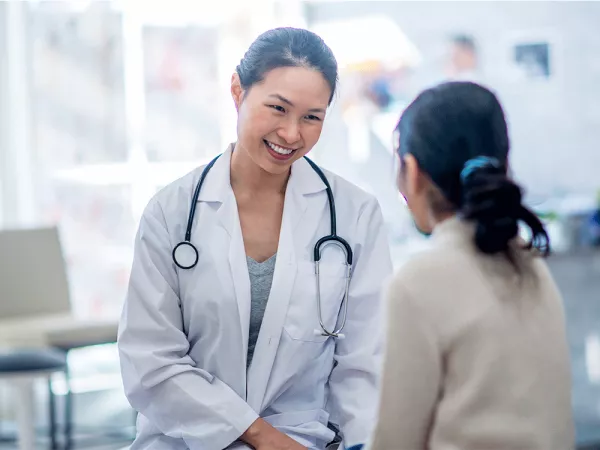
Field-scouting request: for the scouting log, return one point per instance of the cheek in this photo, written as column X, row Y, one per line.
column 242, row 120
column 401, row 185
column 419, row 214
column 252, row 122
column 415, row 205
column 311, row 133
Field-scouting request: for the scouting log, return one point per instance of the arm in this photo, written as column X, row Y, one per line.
column 355, row 378
column 411, row 376
column 161, row 381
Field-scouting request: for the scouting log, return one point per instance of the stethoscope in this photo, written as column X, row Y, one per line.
column 185, row 254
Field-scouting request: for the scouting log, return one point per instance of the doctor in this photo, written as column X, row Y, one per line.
column 225, row 354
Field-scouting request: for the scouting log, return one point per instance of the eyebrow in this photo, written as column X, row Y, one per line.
column 286, row 101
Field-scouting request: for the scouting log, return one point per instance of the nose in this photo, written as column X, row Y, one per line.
column 289, row 132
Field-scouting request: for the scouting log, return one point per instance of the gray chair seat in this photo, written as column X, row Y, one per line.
column 37, row 364
column 22, row 361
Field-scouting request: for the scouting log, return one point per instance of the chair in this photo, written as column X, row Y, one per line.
column 35, row 308
column 20, row 369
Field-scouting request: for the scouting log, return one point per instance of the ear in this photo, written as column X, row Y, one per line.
column 237, row 93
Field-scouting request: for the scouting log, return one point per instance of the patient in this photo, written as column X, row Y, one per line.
column 476, row 353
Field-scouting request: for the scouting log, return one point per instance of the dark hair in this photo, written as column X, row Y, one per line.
column 464, row 41
column 457, row 133
column 287, row 47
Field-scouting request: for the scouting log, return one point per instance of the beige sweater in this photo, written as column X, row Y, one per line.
column 477, row 356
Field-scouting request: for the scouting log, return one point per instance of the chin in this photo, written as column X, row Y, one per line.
column 422, row 226
column 424, row 231
column 275, row 163
column 274, row 169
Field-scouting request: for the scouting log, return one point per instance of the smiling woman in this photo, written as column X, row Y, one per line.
column 281, row 89
column 224, row 354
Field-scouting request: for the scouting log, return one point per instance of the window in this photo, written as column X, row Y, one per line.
column 122, row 108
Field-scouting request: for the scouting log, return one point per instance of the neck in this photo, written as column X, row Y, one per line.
column 437, row 219
column 247, row 176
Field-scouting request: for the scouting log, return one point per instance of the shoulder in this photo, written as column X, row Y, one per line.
column 433, row 273
column 350, row 197
column 428, row 262
column 170, row 199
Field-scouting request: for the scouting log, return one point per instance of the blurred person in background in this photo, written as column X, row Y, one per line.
column 230, row 349
column 477, row 354
column 459, row 62
column 462, row 64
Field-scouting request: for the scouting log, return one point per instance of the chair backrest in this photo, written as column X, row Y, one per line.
column 33, row 277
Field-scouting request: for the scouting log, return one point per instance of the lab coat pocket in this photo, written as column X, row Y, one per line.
column 302, row 322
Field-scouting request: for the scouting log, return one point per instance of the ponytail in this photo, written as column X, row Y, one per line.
column 494, row 203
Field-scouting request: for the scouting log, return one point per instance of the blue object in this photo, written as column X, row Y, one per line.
column 476, row 163
column 592, row 229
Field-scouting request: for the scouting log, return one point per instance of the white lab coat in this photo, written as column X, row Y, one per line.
column 183, row 336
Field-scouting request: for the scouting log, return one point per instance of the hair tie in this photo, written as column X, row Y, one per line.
column 476, row 163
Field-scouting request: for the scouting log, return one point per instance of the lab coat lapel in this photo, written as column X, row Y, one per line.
column 303, row 181
column 229, row 255
column 231, row 263
column 217, row 189
column 239, row 272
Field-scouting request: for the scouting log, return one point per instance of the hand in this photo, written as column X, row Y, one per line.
column 291, row 445
column 262, row 436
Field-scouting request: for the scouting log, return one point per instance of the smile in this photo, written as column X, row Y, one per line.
column 278, row 149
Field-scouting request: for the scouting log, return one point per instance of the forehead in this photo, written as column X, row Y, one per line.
column 305, row 88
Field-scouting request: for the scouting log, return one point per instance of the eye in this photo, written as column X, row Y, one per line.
column 311, row 117
column 277, row 108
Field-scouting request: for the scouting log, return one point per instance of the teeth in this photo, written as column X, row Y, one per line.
column 278, row 149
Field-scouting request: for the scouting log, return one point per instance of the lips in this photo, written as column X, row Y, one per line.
column 279, row 152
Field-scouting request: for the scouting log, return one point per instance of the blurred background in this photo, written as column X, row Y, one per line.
column 103, row 103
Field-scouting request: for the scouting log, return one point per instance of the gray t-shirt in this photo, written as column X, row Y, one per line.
column 261, row 278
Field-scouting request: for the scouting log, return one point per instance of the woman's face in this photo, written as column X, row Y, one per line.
column 280, row 119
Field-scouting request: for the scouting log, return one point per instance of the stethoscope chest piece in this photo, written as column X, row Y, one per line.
column 185, row 255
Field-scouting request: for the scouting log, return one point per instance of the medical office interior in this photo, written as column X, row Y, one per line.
column 103, row 103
